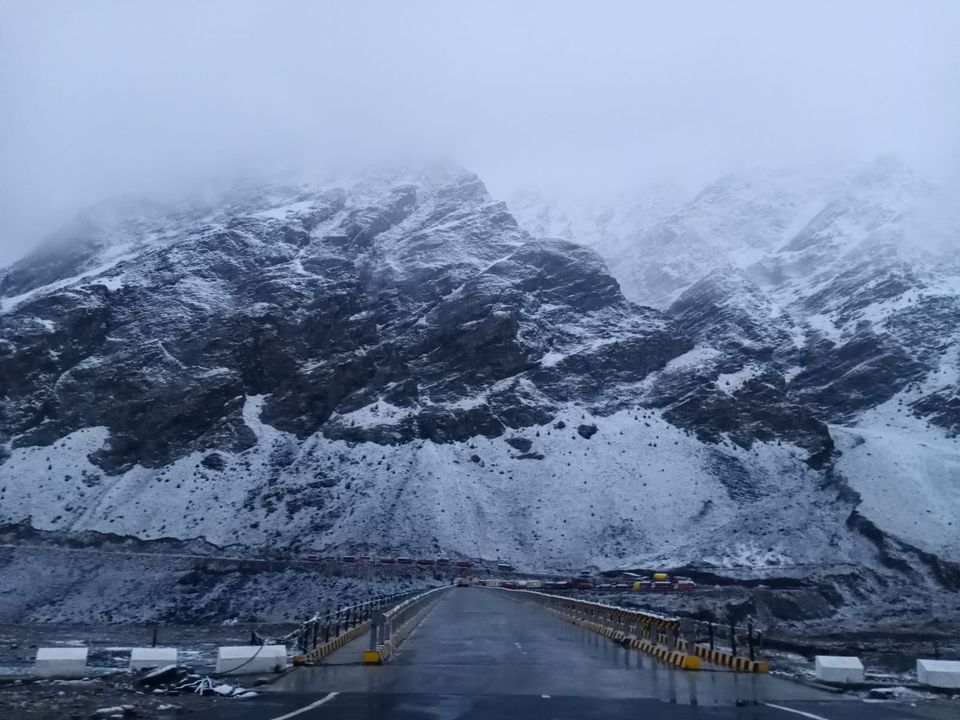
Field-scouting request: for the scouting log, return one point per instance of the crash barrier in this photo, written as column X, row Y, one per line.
column 840, row 670
column 249, row 659
column 152, row 657
column 324, row 633
column 61, row 662
column 389, row 628
column 681, row 642
column 944, row 674
column 848, row 670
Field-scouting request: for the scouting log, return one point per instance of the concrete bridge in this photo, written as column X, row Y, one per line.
column 475, row 653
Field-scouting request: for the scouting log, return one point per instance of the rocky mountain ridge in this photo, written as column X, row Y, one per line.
column 392, row 362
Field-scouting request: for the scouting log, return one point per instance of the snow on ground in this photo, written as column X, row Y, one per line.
column 825, row 326
column 790, row 373
column 283, row 211
column 112, row 283
column 906, row 471
column 910, row 484
column 730, row 383
column 551, row 359
column 698, row 357
column 638, row 488
column 252, row 406
column 377, row 413
column 52, row 485
column 9, row 303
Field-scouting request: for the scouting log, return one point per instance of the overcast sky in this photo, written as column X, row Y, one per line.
column 105, row 97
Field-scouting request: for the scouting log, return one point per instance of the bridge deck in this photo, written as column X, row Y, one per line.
column 483, row 654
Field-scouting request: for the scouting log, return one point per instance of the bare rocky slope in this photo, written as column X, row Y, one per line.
column 392, row 363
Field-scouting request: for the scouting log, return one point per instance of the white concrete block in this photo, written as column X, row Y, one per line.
column 61, row 662
column 152, row 657
column 838, row 669
column 246, row 659
column 939, row 673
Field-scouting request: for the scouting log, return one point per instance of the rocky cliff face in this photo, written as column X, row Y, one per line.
column 391, row 362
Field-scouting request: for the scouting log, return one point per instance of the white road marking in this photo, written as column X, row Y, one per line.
column 311, row 706
column 791, row 710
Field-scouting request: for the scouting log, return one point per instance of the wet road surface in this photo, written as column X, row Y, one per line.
column 485, row 654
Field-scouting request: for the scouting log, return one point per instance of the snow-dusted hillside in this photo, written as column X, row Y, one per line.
column 390, row 362
column 846, row 281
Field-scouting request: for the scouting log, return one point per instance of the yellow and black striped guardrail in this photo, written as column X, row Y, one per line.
column 637, row 630
column 669, row 639
column 726, row 659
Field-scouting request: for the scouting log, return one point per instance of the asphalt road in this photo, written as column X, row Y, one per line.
column 484, row 654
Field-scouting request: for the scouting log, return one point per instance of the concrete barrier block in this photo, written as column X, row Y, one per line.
column 838, row 669
column 246, row 659
column 152, row 657
column 61, row 662
column 939, row 673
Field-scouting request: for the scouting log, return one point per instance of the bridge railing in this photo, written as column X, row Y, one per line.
column 731, row 645
column 628, row 621
column 390, row 627
column 328, row 630
column 682, row 638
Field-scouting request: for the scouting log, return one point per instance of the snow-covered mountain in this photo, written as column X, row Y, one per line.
column 846, row 285
column 391, row 362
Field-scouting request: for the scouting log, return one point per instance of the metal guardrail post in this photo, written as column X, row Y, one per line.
column 733, row 638
column 750, row 641
column 710, row 635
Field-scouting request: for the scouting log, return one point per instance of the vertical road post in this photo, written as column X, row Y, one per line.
column 733, row 638
column 750, row 641
column 710, row 634
column 688, row 630
column 376, row 630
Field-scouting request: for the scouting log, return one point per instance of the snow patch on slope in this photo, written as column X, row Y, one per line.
column 118, row 256
column 906, row 471
column 909, row 482
column 730, row 383
column 638, row 488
